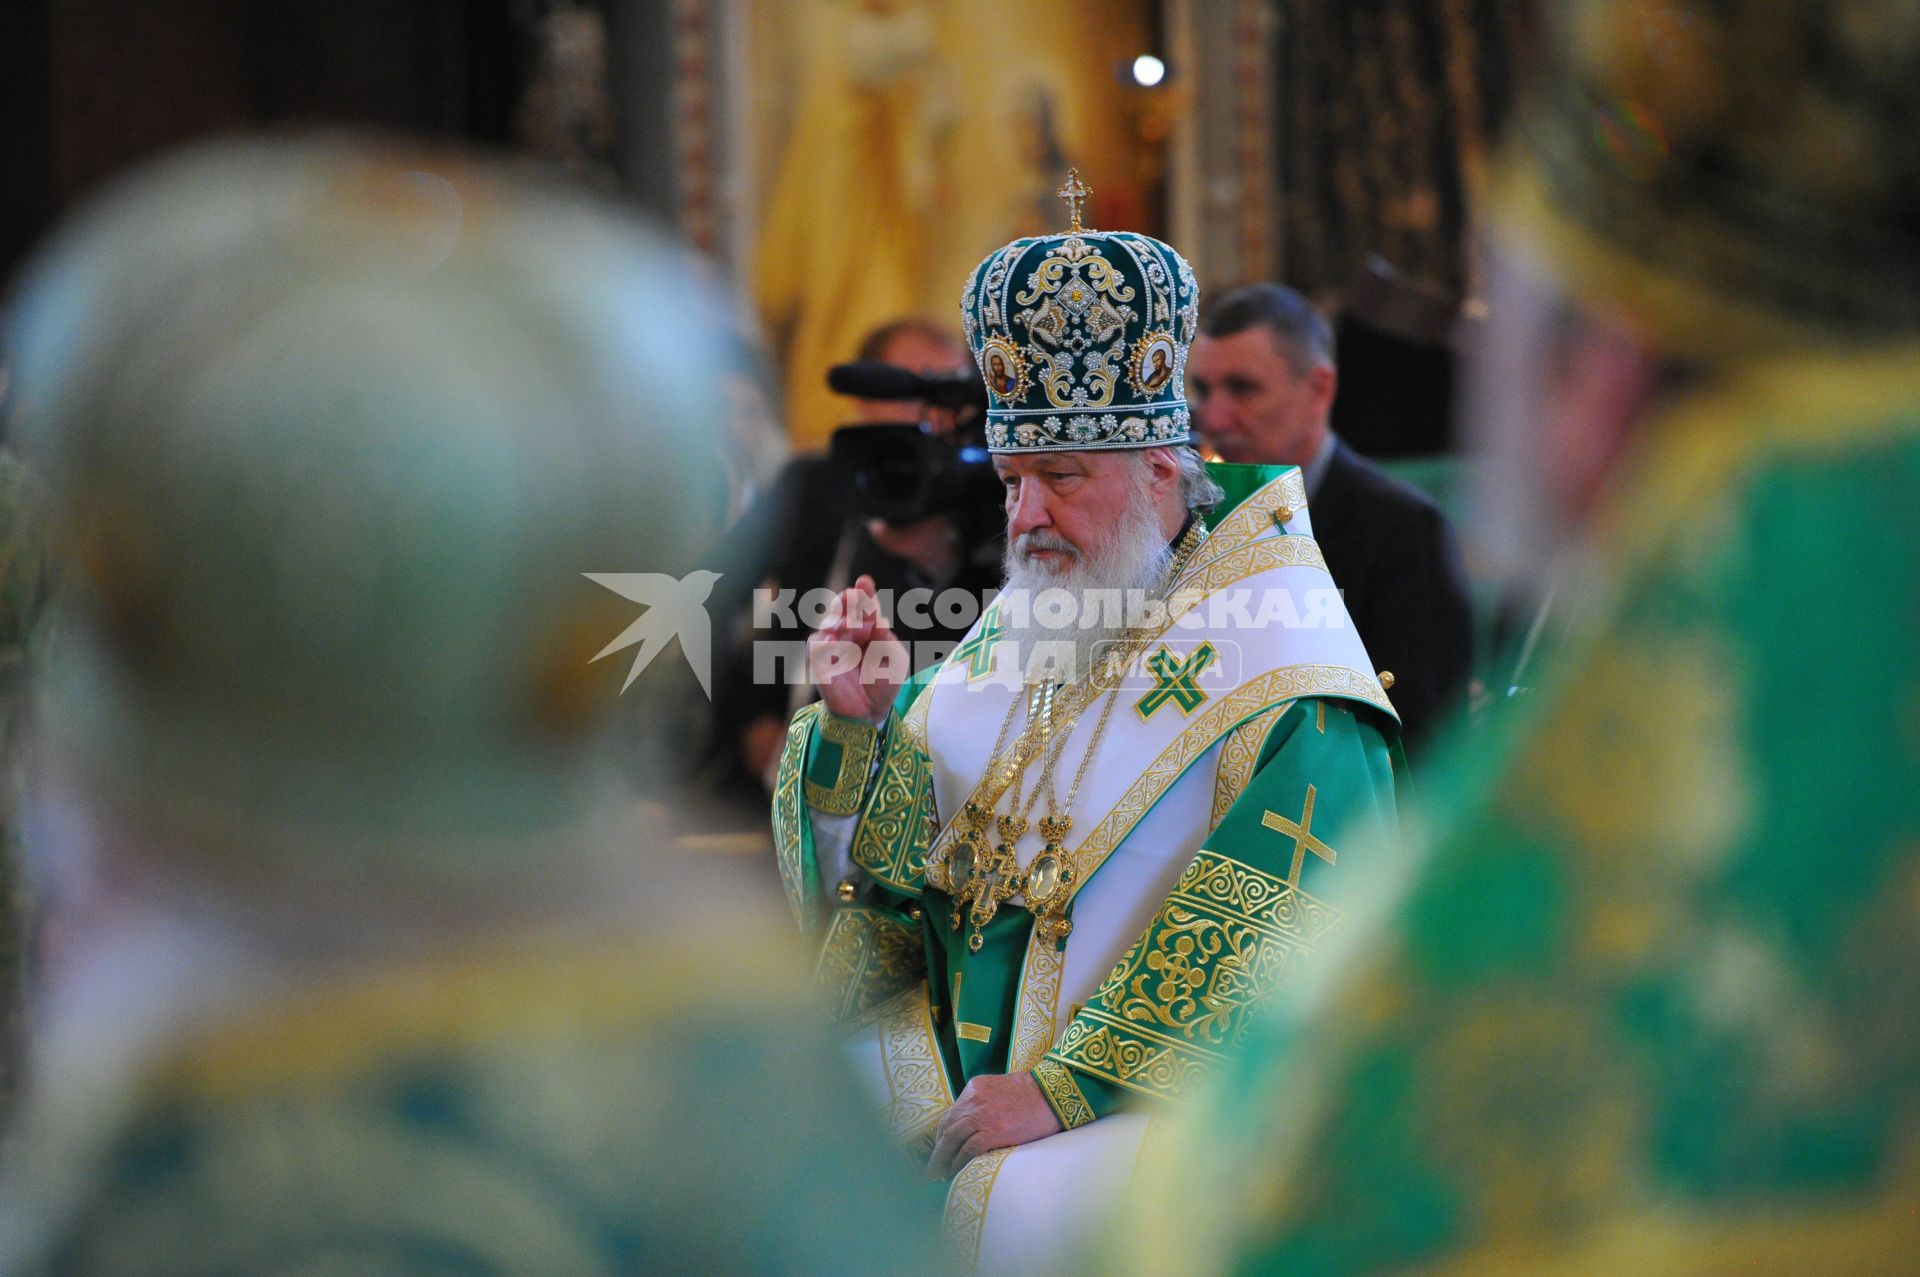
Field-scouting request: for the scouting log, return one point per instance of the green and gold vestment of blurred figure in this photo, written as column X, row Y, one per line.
column 1644, row 1000
column 363, row 953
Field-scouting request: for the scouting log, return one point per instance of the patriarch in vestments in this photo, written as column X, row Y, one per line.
column 1053, row 879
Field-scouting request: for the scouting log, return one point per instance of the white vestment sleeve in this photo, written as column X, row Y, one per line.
column 832, row 843
column 833, row 835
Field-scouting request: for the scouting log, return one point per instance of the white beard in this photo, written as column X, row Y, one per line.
column 1098, row 583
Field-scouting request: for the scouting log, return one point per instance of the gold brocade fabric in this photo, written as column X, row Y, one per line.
column 627, row 1107
column 1644, row 1002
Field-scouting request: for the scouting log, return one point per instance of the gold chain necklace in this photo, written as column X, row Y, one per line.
column 1002, row 769
column 981, row 879
column 1048, row 879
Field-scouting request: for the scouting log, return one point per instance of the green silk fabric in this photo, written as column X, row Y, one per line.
column 649, row 1104
column 1643, row 999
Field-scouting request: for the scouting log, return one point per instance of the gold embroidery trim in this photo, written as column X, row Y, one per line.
column 1289, row 682
column 1136, row 1059
column 890, row 842
column 1254, row 516
column 914, row 723
column 1064, row 1096
column 1239, row 756
column 1236, row 565
column 1228, row 938
column 973, row 1032
column 1039, row 998
column 917, row 1090
column 790, row 815
column 856, row 741
column 966, row 1214
column 867, row 958
column 1259, row 899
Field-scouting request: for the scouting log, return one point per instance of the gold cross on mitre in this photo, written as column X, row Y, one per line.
column 1074, row 191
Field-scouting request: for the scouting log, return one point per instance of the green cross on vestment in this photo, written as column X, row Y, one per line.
column 977, row 651
column 1174, row 681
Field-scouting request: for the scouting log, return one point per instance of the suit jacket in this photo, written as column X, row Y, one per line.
column 1395, row 558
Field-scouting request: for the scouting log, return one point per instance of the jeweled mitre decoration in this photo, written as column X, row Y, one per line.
column 1082, row 338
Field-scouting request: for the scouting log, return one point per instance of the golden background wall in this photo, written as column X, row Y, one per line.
column 896, row 142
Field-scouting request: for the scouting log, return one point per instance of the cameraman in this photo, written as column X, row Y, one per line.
column 932, row 546
column 803, row 534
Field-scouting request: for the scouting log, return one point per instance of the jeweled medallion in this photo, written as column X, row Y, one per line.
column 960, row 867
column 1043, row 877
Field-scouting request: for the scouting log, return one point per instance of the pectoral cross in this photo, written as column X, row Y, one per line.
column 993, row 884
column 1073, row 192
column 1302, row 834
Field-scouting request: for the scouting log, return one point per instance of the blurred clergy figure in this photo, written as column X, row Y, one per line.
column 361, row 956
column 1644, row 1000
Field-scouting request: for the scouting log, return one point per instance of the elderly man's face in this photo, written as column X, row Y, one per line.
column 1063, row 507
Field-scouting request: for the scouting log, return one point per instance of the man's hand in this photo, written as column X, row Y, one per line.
column 854, row 659
column 995, row 1110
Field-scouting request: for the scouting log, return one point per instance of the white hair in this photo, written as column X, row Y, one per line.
column 1093, row 582
column 1129, row 562
column 1197, row 488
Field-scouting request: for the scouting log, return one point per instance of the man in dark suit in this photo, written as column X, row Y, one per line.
column 1261, row 381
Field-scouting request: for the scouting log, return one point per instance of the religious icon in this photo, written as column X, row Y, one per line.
column 1161, row 370
column 999, row 376
column 1001, row 361
column 1153, row 363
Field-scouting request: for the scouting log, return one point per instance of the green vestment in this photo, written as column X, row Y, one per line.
column 1645, row 1001
column 624, row 1104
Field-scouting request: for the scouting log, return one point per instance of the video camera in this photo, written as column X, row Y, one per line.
column 903, row 471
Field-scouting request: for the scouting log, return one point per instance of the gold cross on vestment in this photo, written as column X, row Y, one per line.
column 1073, row 192
column 1302, row 835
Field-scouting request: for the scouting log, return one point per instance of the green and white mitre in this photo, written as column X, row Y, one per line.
column 335, row 430
column 1180, row 868
column 1082, row 338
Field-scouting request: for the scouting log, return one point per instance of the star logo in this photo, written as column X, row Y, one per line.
column 675, row 608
